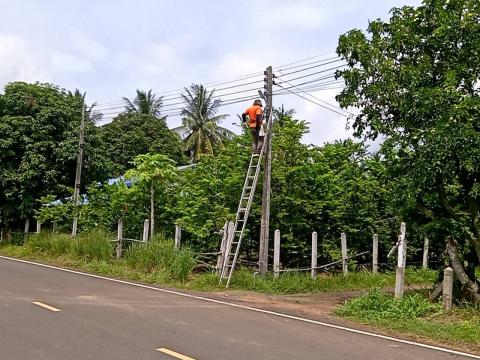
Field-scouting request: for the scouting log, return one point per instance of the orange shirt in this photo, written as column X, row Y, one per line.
column 252, row 112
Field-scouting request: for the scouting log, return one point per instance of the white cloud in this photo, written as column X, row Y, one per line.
column 152, row 59
column 18, row 62
column 68, row 63
column 298, row 14
column 87, row 48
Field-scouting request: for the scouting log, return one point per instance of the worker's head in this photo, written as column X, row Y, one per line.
column 258, row 102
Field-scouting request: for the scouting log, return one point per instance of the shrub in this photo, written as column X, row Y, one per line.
column 94, row 245
column 50, row 244
column 376, row 305
column 160, row 255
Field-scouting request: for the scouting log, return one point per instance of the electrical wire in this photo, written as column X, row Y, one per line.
column 299, row 66
column 318, row 99
column 310, row 67
column 323, row 61
column 314, row 102
column 177, row 92
column 305, row 59
column 315, row 73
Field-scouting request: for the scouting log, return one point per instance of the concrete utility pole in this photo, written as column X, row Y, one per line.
column 267, row 174
column 78, row 174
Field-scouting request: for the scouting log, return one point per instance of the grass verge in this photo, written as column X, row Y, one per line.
column 415, row 315
column 159, row 263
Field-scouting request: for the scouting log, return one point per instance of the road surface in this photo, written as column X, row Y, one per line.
column 47, row 313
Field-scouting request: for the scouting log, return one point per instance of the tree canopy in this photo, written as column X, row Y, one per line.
column 39, row 124
column 131, row 134
column 416, row 82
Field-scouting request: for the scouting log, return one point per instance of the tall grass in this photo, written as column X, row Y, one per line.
column 94, row 245
column 160, row 255
column 302, row 283
column 376, row 305
column 415, row 315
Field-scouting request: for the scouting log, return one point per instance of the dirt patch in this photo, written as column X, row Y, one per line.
column 313, row 306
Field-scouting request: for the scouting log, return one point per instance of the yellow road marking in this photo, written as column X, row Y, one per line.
column 174, row 354
column 51, row 308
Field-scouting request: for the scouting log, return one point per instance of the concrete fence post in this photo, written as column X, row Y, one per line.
column 221, row 253
column 119, row 238
column 447, row 288
column 54, row 227
column 39, row 227
column 27, row 226
column 178, row 236
column 228, row 245
column 313, row 272
column 401, row 262
column 75, row 227
column 276, row 254
column 146, row 226
column 343, row 238
column 425, row 253
column 375, row 254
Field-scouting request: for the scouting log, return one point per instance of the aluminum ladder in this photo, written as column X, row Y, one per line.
column 234, row 239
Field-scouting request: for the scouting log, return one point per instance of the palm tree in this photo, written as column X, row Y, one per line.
column 280, row 113
column 91, row 113
column 144, row 103
column 200, row 130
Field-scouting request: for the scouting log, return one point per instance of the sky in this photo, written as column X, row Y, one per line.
column 110, row 48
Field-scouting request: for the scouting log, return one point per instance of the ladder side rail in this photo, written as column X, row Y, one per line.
column 230, row 238
column 247, row 212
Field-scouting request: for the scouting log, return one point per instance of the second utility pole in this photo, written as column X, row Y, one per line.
column 78, row 173
column 267, row 175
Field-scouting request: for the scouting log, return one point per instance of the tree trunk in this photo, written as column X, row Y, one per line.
column 471, row 287
column 152, row 211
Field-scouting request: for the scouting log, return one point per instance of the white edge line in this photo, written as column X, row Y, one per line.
column 45, row 306
column 310, row 321
column 174, row 354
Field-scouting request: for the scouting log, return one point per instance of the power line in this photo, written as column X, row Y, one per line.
column 324, row 61
column 314, row 102
column 317, row 98
column 317, row 81
column 311, row 67
column 305, row 59
column 315, row 73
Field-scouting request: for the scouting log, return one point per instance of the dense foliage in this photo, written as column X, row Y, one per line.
column 131, row 134
column 39, row 125
column 416, row 82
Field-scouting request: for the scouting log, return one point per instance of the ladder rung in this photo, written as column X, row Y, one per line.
column 243, row 209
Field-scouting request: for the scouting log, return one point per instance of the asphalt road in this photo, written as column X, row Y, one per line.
column 101, row 319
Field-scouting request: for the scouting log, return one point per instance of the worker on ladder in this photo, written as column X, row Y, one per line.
column 253, row 118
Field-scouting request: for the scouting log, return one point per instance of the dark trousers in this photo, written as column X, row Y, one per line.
column 257, row 140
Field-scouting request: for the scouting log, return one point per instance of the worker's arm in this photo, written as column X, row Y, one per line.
column 244, row 117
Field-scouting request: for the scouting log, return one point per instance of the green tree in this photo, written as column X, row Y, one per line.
column 39, row 124
column 129, row 135
column 327, row 189
column 144, row 103
column 415, row 80
column 155, row 171
column 200, row 128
